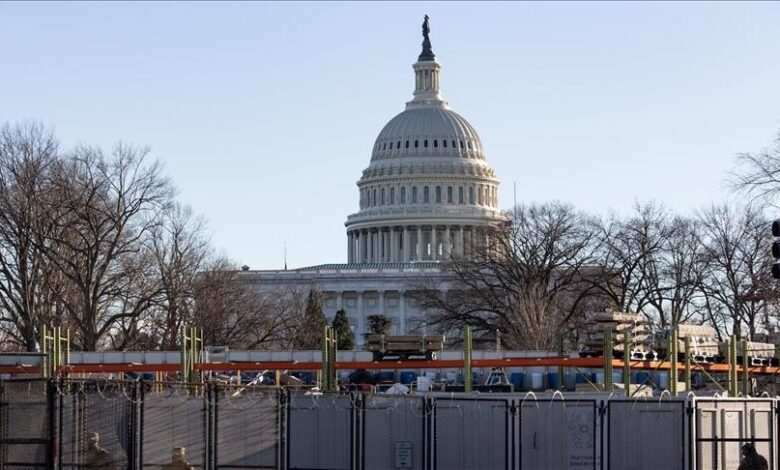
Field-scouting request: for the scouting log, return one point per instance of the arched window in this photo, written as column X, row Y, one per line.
column 479, row 195
column 382, row 200
column 392, row 196
column 398, row 145
column 454, row 144
column 373, row 198
column 461, row 144
column 416, row 143
column 438, row 194
column 414, row 194
column 426, row 195
column 469, row 142
column 403, row 195
column 471, row 195
column 425, row 143
column 443, row 142
column 407, row 144
column 460, row 195
column 449, row 194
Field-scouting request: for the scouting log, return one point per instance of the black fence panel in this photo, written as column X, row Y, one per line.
column 96, row 423
column 27, row 426
column 174, row 417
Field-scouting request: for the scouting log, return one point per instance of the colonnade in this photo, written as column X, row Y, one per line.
column 391, row 244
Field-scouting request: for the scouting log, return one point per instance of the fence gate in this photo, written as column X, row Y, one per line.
column 393, row 432
column 320, row 432
column 721, row 427
column 471, row 433
column 646, row 435
column 558, row 434
column 27, row 425
column 248, row 426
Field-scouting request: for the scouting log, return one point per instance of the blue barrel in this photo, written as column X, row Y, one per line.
column 553, row 381
column 581, row 378
column 387, row 376
column 517, row 379
column 408, row 377
column 643, row 378
column 617, row 377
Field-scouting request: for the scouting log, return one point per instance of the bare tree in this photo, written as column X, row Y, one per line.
column 758, row 174
column 737, row 283
column 103, row 208
column 28, row 153
column 676, row 273
column 527, row 283
column 231, row 313
column 629, row 252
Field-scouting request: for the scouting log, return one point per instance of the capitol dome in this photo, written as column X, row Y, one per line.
column 428, row 193
column 434, row 131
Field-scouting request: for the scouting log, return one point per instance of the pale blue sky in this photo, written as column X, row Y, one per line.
column 265, row 113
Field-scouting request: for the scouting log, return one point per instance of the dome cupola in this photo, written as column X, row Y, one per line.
column 428, row 192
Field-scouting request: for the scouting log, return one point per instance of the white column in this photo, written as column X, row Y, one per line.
column 460, row 242
column 434, row 244
column 350, row 248
column 407, row 245
column 360, row 241
column 360, row 319
column 369, row 246
column 393, row 245
column 419, row 254
column 447, row 243
column 402, row 308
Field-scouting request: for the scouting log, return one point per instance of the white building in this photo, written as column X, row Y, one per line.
column 426, row 196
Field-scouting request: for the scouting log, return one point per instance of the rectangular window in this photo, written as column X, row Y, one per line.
column 392, row 195
column 403, row 195
column 471, row 195
column 460, row 195
column 414, row 194
column 438, row 194
column 382, row 201
column 426, row 195
column 449, row 194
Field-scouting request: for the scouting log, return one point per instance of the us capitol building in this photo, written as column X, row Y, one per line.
column 426, row 196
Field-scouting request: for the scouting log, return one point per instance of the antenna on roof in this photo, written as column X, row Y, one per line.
column 285, row 256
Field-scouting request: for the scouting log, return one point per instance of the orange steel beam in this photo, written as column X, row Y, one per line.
column 109, row 368
column 20, row 369
column 586, row 362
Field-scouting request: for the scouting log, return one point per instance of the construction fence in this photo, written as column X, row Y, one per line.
column 84, row 424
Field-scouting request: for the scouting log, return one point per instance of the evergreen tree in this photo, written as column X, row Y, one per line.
column 378, row 325
column 344, row 333
column 309, row 335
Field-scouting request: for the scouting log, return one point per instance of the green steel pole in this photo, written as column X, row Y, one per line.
column 608, row 359
column 468, row 380
column 688, row 364
column 560, row 368
column 672, row 348
column 627, row 361
column 745, row 369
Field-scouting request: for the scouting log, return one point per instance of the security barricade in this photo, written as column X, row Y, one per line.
column 248, row 427
column 559, row 434
column 321, row 431
column 27, row 424
column 471, row 433
column 722, row 426
column 646, row 435
column 394, row 431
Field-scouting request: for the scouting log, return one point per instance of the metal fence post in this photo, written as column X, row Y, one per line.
column 468, row 379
